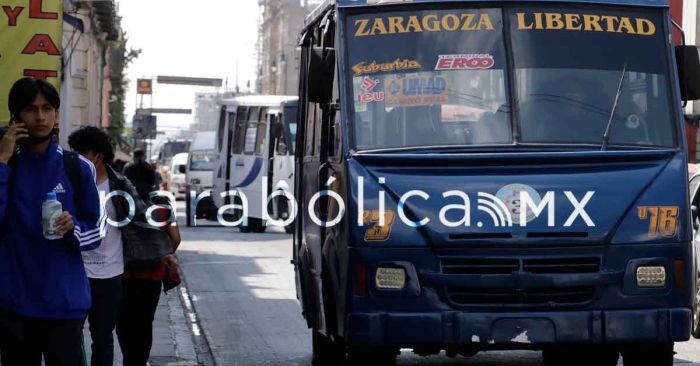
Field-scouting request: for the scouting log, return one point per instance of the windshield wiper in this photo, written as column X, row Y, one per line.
column 606, row 134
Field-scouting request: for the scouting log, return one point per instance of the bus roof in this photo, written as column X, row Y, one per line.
column 320, row 10
column 259, row 100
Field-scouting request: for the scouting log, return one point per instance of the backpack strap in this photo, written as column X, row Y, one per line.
column 71, row 165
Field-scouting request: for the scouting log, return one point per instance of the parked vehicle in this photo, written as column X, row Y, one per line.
column 177, row 183
column 497, row 175
column 254, row 156
column 200, row 175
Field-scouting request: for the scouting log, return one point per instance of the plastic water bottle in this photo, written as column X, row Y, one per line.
column 50, row 212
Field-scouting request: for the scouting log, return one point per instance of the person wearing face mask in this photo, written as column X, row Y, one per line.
column 44, row 292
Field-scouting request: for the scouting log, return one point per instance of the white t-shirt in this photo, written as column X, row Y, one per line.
column 107, row 260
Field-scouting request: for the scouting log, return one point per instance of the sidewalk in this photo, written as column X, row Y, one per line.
column 172, row 339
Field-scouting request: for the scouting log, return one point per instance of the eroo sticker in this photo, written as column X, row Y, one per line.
column 585, row 23
column 369, row 93
column 415, row 90
column 465, row 62
column 377, row 230
column 452, row 22
column 662, row 220
column 373, row 67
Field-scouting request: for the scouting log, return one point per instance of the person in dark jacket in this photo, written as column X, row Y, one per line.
column 44, row 292
column 141, row 174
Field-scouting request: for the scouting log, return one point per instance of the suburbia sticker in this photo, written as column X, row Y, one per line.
column 415, row 90
column 369, row 94
column 364, row 68
column 465, row 62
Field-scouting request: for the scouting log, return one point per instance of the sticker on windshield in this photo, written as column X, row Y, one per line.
column 465, row 62
column 415, row 90
column 370, row 93
column 364, row 68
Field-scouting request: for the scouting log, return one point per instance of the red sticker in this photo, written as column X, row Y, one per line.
column 368, row 85
column 465, row 62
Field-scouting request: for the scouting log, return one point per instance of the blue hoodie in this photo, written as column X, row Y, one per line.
column 42, row 278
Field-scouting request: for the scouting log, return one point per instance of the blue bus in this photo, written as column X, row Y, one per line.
column 480, row 175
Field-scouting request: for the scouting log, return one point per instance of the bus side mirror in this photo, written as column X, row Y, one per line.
column 321, row 74
column 182, row 169
column 688, row 72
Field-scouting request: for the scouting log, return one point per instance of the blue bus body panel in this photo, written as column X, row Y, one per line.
column 448, row 308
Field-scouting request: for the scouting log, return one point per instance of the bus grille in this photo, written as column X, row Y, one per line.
column 552, row 296
column 463, row 295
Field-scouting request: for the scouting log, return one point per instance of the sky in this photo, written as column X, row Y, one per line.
column 203, row 38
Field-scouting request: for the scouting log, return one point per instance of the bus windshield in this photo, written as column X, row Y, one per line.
column 202, row 159
column 460, row 77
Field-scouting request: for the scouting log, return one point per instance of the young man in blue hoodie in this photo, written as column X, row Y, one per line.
column 44, row 291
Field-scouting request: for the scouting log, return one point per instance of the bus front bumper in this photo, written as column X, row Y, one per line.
column 517, row 330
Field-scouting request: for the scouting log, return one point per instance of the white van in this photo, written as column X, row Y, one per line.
column 200, row 174
column 256, row 140
column 177, row 183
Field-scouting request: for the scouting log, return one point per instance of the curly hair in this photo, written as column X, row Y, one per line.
column 92, row 139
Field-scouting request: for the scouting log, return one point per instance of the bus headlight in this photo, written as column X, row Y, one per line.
column 390, row 278
column 651, row 276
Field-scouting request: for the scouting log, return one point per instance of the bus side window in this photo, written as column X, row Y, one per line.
column 239, row 132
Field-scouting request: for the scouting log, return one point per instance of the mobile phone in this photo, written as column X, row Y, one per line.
column 22, row 141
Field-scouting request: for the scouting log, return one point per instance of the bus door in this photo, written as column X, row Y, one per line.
column 248, row 162
column 316, row 171
column 224, row 135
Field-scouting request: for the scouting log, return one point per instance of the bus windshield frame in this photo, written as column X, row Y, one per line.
column 427, row 77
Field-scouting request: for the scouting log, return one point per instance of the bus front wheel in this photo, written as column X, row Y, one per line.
column 644, row 354
column 372, row 356
column 580, row 355
column 327, row 351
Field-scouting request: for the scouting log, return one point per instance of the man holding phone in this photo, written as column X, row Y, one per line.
column 44, row 291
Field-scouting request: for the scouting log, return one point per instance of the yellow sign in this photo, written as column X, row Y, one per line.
column 585, row 22
column 397, row 65
column 422, row 23
column 662, row 219
column 377, row 232
column 30, row 44
column 415, row 90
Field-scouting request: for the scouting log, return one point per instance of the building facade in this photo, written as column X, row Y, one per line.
column 89, row 30
column 281, row 22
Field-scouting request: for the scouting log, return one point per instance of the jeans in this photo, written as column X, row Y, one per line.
column 24, row 340
column 135, row 320
column 106, row 299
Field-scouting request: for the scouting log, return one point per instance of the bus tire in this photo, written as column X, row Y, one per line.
column 644, row 354
column 695, row 331
column 289, row 229
column 372, row 356
column 580, row 355
column 326, row 351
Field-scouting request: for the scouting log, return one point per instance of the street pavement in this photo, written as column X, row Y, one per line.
column 242, row 290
